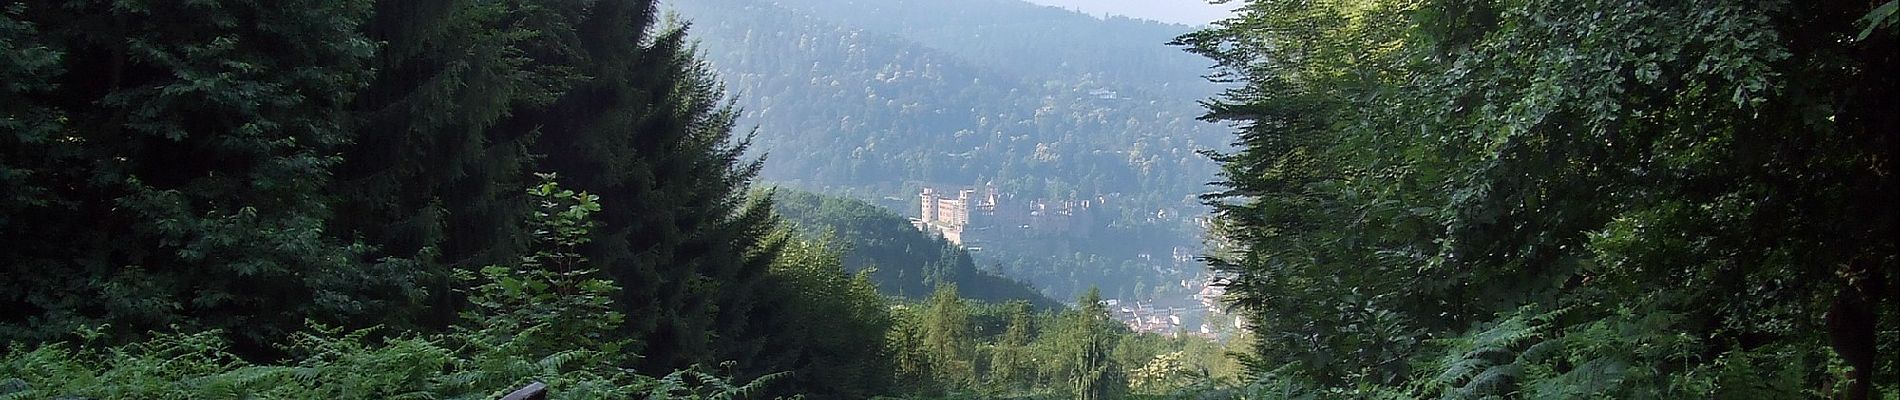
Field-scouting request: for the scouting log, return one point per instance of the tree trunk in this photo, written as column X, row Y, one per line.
column 1851, row 325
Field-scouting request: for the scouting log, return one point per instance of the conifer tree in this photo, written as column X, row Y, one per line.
column 825, row 327
column 911, row 364
column 1087, row 340
column 171, row 160
column 1012, row 363
column 428, row 181
column 651, row 133
column 947, row 337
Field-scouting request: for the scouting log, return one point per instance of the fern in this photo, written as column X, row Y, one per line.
column 1493, row 361
column 513, row 339
column 692, row 383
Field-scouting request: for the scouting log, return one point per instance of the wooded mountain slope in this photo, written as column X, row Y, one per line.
column 966, row 94
column 907, row 262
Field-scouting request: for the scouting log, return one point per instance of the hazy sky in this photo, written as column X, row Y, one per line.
column 1190, row 12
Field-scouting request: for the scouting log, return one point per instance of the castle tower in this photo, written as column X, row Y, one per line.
column 929, row 209
column 966, row 202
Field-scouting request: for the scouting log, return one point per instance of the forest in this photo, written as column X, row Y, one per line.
column 1419, row 199
column 1562, row 199
column 876, row 99
column 427, row 199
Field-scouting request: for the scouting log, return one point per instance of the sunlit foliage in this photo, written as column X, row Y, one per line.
column 1556, row 199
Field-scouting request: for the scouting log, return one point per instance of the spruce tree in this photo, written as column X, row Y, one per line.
column 1012, row 364
column 1087, row 341
column 651, row 133
column 948, row 339
column 174, row 168
column 826, row 327
column 429, row 179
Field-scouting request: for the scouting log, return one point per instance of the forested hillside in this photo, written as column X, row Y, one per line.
column 1564, row 199
column 1049, row 44
column 904, row 261
column 839, row 105
column 875, row 99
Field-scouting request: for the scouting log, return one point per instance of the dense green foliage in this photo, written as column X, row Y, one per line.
column 546, row 320
column 1561, row 199
column 158, row 176
column 901, row 260
column 1425, row 198
column 953, row 348
column 256, row 169
column 325, row 200
column 835, row 320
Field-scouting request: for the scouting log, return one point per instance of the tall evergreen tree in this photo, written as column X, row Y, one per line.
column 1088, row 340
column 911, row 364
column 947, row 338
column 170, row 160
column 430, row 179
column 1012, row 363
column 651, row 133
column 824, row 326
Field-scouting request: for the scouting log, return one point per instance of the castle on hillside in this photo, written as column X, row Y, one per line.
column 949, row 217
column 983, row 215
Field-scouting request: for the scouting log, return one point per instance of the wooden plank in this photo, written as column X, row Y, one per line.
column 534, row 391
